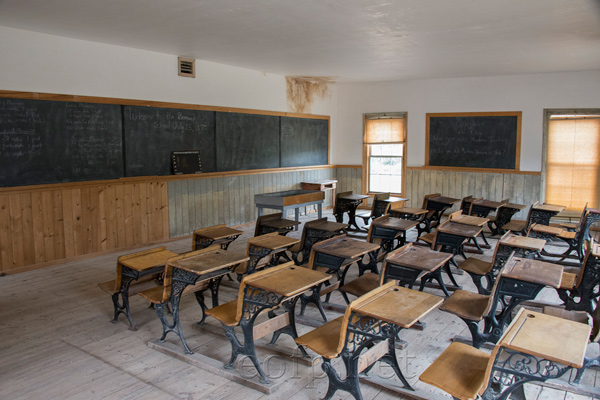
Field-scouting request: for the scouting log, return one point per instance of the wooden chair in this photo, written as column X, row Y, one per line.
column 575, row 239
column 466, row 204
column 461, row 371
column 521, row 227
column 301, row 251
column 578, row 290
column 502, row 214
column 473, row 308
column 347, row 337
column 480, row 269
column 378, row 208
column 427, row 222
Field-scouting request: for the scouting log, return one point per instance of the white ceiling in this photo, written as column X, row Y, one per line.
column 347, row 40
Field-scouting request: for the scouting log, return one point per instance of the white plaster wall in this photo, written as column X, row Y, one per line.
column 35, row 62
column 530, row 94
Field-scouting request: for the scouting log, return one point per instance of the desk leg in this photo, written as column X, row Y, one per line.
column 127, row 277
column 181, row 279
column 260, row 211
column 320, row 210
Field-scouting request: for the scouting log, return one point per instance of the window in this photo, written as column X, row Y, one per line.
column 572, row 152
column 384, row 148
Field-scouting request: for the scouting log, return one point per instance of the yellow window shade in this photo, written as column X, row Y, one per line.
column 573, row 162
column 389, row 130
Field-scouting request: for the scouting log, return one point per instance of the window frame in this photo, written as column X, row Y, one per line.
column 367, row 150
column 546, row 133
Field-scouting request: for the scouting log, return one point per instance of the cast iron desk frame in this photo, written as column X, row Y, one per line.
column 349, row 204
column 371, row 324
column 258, row 249
column 338, row 262
column 438, row 205
column 429, row 261
column 184, row 276
column 222, row 236
column 318, row 233
column 515, row 286
column 131, row 271
column 258, row 297
column 520, row 360
column 503, row 217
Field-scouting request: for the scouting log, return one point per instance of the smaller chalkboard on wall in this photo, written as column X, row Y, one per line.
column 489, row 140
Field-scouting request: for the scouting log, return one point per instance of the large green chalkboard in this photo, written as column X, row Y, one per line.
column 474, row 140
column 247, row 141
column 304, row 141
column 55, row 141
column 152, row 133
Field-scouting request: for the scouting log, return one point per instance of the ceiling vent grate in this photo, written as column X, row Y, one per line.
column 186, row 67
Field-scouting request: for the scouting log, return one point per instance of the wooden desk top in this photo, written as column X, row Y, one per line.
column 288, row 282
column 534, row 271
column 410, row 211
column 549, row 208
column 470, row 220
column 515, row 206
column 418, row 257
column 524, row 242
column 210, row 261
column 343, row 246
column 218, row 233
column 280, row 223
column 354, row 197
column 443, row 200
column 548, row 337
column 273, row 242
column 392, row 199
column 492, row 205
column 398, row 224
column 400, row 306
column 457, row 229
column 319, row 184
column 152, row 260
column 329, row 226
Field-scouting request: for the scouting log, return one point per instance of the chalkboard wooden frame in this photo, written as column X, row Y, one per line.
column 514, row 140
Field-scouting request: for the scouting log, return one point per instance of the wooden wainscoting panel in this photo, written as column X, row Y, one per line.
column 42, row 225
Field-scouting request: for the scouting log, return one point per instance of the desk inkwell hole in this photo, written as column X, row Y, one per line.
column 530, row 316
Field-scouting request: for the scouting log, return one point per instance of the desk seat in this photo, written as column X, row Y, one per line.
column 475, row 266
column 362, row 284
column 324, row 340
column 225, row 313
column 467, row 305
column 461, row 371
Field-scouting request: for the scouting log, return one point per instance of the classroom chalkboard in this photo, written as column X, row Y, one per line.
column 55, row 141
column 474, row 140
column 152, row 133
column 304, row 141
column 247, row 141
column 47, row 138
